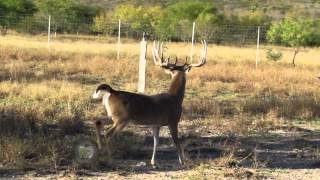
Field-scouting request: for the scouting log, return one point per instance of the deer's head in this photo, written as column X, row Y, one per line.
column 172, row 67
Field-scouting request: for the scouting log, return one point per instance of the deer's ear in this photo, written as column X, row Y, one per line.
column 168, row 71
column 188, row 69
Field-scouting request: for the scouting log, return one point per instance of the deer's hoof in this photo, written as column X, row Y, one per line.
column 153, row 164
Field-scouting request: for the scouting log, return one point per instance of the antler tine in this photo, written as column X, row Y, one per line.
column 161, row 50
column 155, row 53
column 202, row 60
column 204, row 51
column 165, row 61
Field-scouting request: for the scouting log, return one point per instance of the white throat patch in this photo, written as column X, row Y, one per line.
column 105, row 102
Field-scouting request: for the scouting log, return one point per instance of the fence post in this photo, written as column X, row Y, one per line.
column 258, row 43
column 192, row 41
column 142, row 66
column 119, row 34
column 49, row 27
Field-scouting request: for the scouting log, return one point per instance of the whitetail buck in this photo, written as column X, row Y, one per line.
column 158, row 110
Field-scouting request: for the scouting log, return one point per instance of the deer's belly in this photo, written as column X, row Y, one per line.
column 150, row 121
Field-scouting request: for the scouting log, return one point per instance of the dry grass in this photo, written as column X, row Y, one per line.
column 41, row 87
column 107, row 46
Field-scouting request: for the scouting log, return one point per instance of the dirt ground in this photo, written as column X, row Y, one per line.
column 281, row 154
column 210, row 173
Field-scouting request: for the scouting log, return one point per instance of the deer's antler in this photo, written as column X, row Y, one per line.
column 160, row 61
column 202, row 59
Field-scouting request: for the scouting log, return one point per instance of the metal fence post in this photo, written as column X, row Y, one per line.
column 49, row 28
column 142, row 66
column 192, row 41
column 119, row 35
column 258, row 44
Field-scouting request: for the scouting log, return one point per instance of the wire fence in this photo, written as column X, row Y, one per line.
column 235, row 34
column 55, row 28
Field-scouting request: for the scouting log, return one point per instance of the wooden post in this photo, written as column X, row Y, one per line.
column 142, row 66
column 49, row 27
column 119, row 35
column 192, row 41
column 258, row 43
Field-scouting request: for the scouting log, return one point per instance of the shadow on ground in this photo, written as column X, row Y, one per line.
column 289, row 150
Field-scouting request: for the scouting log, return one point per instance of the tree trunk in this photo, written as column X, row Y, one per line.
column 296, row 50
column 3, row 31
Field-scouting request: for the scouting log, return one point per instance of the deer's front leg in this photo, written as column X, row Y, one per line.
column 155, row 132
column 99, row 127
column 99, row 124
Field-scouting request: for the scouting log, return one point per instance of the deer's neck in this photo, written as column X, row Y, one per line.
column 178, row 85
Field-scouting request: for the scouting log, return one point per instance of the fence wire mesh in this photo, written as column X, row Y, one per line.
column 107, row 31
column 64, row 25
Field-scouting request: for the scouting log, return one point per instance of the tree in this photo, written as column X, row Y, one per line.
column 177, row 19
column 140, row 19
column 3, row 8
column 211, row 22
column 291, row 32
column 313, row 38
column 254, row 18
column 104, row 23
column 12, row 11
column 68, row 15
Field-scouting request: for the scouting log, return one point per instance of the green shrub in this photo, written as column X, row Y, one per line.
column 273, row 55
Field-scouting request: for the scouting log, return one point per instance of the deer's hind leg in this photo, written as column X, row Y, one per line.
column 117, row 126
column 174, row 134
